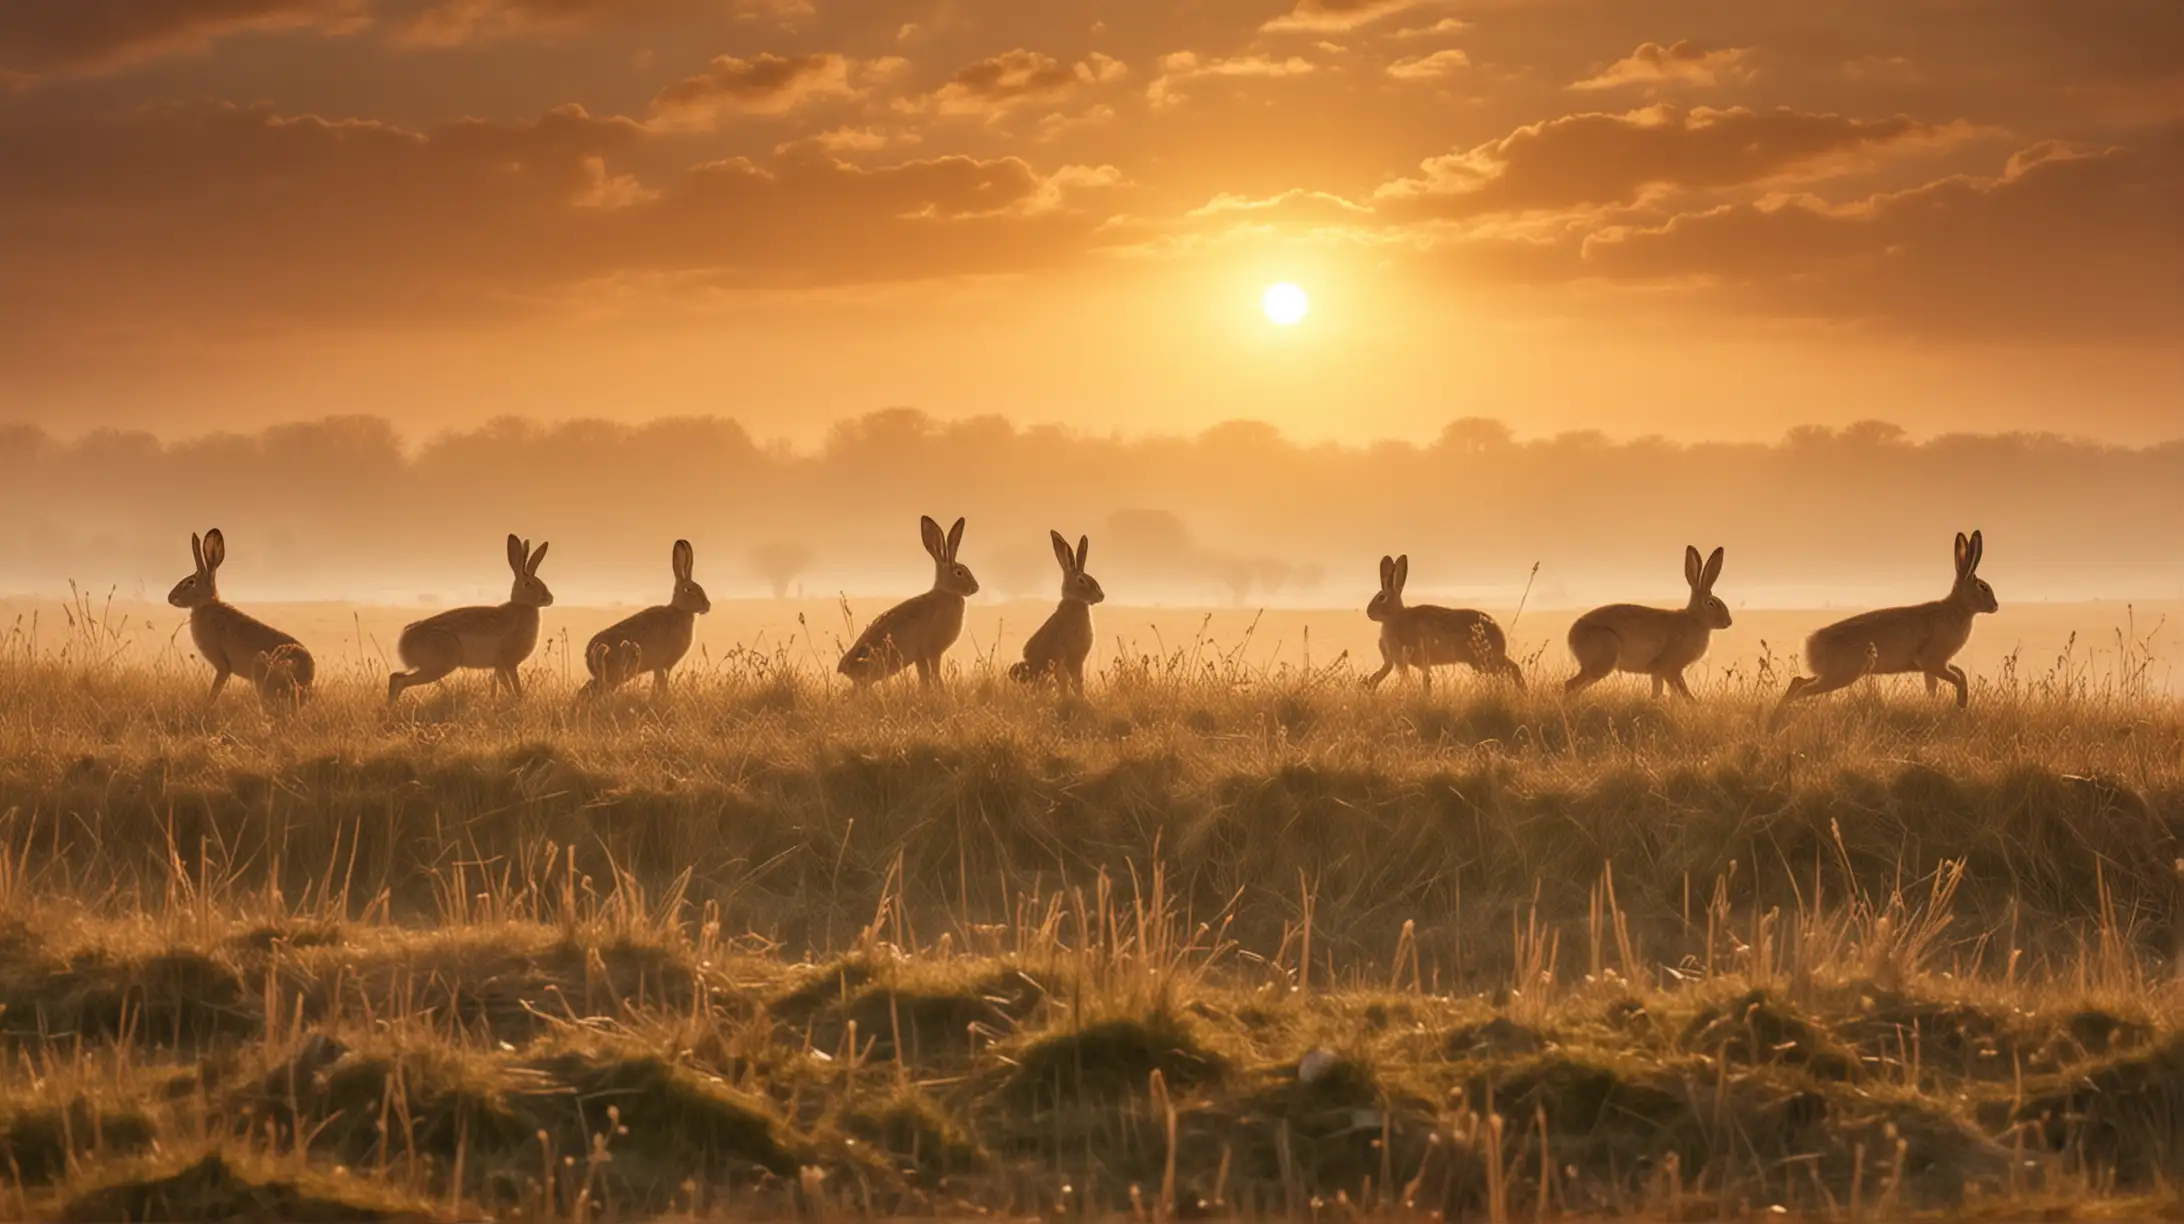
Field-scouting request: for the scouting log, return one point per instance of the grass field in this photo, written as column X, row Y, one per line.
column 1230, row 936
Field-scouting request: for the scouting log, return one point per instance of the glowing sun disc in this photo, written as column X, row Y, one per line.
column 1285, row 304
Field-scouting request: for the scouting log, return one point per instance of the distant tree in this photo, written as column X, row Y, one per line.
column 1238, row 573
column 781, row 563
column 1475, row 435
column 1273, row 574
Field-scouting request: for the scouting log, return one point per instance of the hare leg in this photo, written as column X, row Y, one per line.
column 1657, row 682
column 1076, row 677
column 1594, row 662
column 1933, row 684
column 219, row 681
column 1676, row 682
column 1802, row 687
column 1387, row 664
column 1425, row 677
column 510, row 677
column 427, row 674
column 1954, row 675
column 1588, row 674
column 928, row 675
column 659, row 684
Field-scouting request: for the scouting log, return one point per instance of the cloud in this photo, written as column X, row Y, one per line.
column 1591, row 160
column 998, row 84
column 2063, row 243
column 42, row 37
column 1322, row 15
column 1681, row 63
column 764, row 85
column 1429, row 67
column 850, row 140
column 1184, row 66
column 452, row 22
column 1297, row 206
column 1446, row 27
column 227, row 216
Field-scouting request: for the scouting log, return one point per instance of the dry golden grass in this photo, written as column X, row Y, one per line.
column 1231, row 935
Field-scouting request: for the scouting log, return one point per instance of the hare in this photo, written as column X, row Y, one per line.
column 499, row 637
column 1652, row 642
column 1892, row 641
column 232, row 641
column 654, row 640
column 1061, row 645
column 921, row 629
column 1424, row 636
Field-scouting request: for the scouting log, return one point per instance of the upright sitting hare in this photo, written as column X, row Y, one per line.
column 499, row 637
column 921, row 629
column 1654, row 642
column 1892, row 641
column 1061, row 645
column 1424, row 636
column 232, row 641
column 654, row 640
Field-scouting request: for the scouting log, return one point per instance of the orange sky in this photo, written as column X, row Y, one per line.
column 1707, row 220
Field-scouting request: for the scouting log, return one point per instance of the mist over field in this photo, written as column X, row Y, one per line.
column 353, row 509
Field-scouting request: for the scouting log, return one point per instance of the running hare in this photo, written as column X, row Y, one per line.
column 1892, row 641
column 499, row 638
column 1425, row 637
column 276, row 664
column 921, row 629
column 1061, row 645
column 1654, row 642
column 654, row 640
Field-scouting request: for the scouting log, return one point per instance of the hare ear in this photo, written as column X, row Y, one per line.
column 1711, row 572
column 531, row 569
column 929, row 531
column 1691, row 566
column 1402, row 573
column 1062, row 553
column 515, row 553
column 1084, row 549
column 197, row 551
column 215, row 549
column 1962, row 553
column 955, row 538
column 684, row 560
column 1387, row 572
column 1979, row 549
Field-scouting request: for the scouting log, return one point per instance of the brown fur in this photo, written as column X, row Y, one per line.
column 653, row 640
column 232, row 641
column 1061, row 645
column 917, row 631
column 1893, row 641
column 497, row 638
column 1425, row 636
column 1656, row 642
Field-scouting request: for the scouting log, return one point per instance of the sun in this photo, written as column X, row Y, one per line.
column 1285, row 304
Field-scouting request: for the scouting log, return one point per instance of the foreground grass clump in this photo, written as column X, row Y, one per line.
column 1118, row 1053
column 1206, row 944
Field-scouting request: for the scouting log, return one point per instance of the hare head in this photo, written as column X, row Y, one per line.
column 689, row 596
column 1076, row 584
column 197, row 590
column 1971, row 590
column 1711, row 611
column 949, row 574
column 528, row 590
column 1394, row 572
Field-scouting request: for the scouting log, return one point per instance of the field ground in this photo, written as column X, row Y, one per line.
column 1231, row 936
